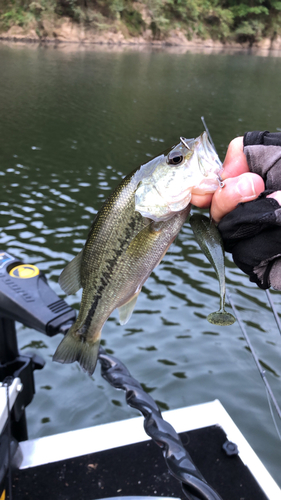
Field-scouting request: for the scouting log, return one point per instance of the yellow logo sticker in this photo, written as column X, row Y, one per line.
column 24, row 271
column 3, row 496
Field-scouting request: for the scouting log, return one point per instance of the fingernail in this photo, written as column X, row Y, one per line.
column 245, row 188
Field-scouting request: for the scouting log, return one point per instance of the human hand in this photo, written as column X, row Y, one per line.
column 240, row 185
column 251, row 231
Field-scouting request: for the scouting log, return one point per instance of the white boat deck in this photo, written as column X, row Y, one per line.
column 107, row 436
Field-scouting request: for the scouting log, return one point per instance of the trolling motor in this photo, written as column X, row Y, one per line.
column 25, row 296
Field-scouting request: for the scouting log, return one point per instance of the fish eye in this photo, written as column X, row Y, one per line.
column 174, row 158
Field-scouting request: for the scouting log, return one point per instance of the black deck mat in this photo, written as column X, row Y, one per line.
column 138, row 469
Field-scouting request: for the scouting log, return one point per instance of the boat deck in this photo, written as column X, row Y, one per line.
column 138, row 469
column 63, row 467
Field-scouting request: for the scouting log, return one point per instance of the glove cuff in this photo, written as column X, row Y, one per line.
column 265, row 138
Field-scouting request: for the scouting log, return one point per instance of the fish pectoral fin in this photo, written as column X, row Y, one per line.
column 126, row 311
column 70, row 278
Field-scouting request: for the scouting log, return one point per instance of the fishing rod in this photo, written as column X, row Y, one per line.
column 269, row 391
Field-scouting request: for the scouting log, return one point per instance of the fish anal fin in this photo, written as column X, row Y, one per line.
column 70, row 278
column 125, row 311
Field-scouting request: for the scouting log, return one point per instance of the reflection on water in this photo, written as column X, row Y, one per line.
column 73, row 123
column 207, row 49
column 35, row 344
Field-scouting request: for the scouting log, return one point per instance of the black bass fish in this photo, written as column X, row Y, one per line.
column 209, row 239
column 128, row 239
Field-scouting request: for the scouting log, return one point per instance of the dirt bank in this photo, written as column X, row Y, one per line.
column 66, row 31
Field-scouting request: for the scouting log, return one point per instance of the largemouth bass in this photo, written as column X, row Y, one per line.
column 129, row 237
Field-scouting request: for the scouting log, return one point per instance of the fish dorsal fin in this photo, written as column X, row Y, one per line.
column 70, row 278
column 125, row 311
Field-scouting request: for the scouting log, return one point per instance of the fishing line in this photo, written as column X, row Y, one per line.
column 275, row 314
column 272, row 415
column 261, row 371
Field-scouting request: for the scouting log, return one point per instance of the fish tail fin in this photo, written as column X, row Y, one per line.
column 74, row 348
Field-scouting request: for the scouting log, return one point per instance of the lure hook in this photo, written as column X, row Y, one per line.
column 221, row 182
column 184, row 143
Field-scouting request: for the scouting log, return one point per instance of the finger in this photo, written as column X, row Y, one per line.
column 244, row 188
column 201, row 200
column 276, row 196
column 235, row 162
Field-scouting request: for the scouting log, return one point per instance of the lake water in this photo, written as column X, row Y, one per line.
column 73, row 123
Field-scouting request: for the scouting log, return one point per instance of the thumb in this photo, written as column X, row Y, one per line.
column 245, row 187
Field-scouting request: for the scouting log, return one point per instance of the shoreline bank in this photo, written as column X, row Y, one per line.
column 71, row 33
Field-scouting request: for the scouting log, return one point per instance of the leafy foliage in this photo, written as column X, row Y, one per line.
column 245, row 20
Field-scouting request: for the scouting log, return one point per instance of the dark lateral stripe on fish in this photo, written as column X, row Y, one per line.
column 84, row 329
column 106, row 276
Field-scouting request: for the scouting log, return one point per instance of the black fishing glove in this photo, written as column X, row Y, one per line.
column 252, row 231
